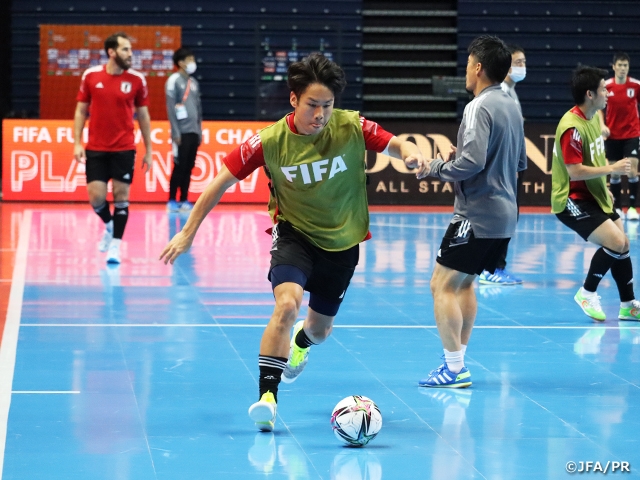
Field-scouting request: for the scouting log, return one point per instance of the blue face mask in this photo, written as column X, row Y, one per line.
column 518, row 73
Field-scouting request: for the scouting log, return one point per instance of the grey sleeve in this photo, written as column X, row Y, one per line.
column 522, row 161
column 171, row 108
column 472, row 156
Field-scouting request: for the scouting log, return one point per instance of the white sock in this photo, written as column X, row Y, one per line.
column 463, row 347
column 626, row 304
column 454, row 360
column 587, row 293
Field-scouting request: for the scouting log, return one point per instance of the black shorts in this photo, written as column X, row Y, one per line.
column 618, row 149
column 328, row 273
column 584, row 216
column 103, row 166
column 460, row 250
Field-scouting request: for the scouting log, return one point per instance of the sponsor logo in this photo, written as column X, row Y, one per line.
column 319, row 169
column 99, row 85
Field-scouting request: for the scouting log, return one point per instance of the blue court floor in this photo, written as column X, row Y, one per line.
column 146, row 371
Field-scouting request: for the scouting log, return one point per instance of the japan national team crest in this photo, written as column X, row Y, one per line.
column 125, row 87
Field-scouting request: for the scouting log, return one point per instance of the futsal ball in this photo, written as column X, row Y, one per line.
column 356, row 420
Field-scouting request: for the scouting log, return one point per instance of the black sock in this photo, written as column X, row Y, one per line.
column 271, row 369
column 103, row 212
column 616, row 190
column 302, row 340
column 622, row 272
column 120, row 217
column 601, row 262
column 633, row 191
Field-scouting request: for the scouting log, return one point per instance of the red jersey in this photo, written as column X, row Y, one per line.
column 249, row 156
column 571, row 145
column 112, row 101
column 622, row 108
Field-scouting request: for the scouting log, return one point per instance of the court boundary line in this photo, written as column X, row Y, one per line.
column 9, row 344
column 372, row 327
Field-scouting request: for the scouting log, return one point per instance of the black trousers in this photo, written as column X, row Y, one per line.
column 181, row 175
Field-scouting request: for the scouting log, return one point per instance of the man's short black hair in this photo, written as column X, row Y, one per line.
column 180, row 54
column 494, row 56
column 316, row 68
column 112, row 41
column 585, row 79
column 621, row 57
column 513, row 48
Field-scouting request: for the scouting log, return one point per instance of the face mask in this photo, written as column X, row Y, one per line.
column 191, row 68
column 518, row 73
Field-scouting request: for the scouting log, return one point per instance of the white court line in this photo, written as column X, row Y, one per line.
column 11, row 328
column 46, row 392
column 262, row 325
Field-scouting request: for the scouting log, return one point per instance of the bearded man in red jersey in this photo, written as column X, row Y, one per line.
column 110, row 94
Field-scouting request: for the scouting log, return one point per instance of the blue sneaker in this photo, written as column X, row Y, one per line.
column 173, row 206
column 442, row 377
column 499, row 277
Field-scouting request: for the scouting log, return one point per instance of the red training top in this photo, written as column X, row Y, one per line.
column 112, row 101
column 247, row 157
column 622, row 109
column 571, row 145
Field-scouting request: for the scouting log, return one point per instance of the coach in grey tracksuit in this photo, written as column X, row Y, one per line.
column 184, row 111
column 491, row 149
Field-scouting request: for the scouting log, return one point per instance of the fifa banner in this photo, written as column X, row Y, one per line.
column 38, row 163
column 66, row 51
column 391, row 183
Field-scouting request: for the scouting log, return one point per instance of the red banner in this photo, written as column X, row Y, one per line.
column 66, row 51
column 38, row 163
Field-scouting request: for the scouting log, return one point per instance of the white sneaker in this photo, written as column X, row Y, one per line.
column 113, row 255
column 263, row 412
column 107, row 236
column 621, row 213
column 632, row 214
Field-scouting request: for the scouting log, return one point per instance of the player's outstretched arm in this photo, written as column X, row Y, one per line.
column 580, row 171
column 182, row 241
column 410, row 153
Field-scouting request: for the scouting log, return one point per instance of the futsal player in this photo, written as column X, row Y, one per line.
column 491, row 150
column 621, row 129
column 314, row 158
column 110, row 94
column 580, row 198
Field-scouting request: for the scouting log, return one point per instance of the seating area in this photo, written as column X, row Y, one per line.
column 389, row 50
column 557, row 37
column 229, row 39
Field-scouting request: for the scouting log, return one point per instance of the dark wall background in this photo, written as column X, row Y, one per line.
column 557, row 36
column 230, row 39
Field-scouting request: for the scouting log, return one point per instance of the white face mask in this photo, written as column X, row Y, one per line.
column 190, row 68
column 518, row 73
